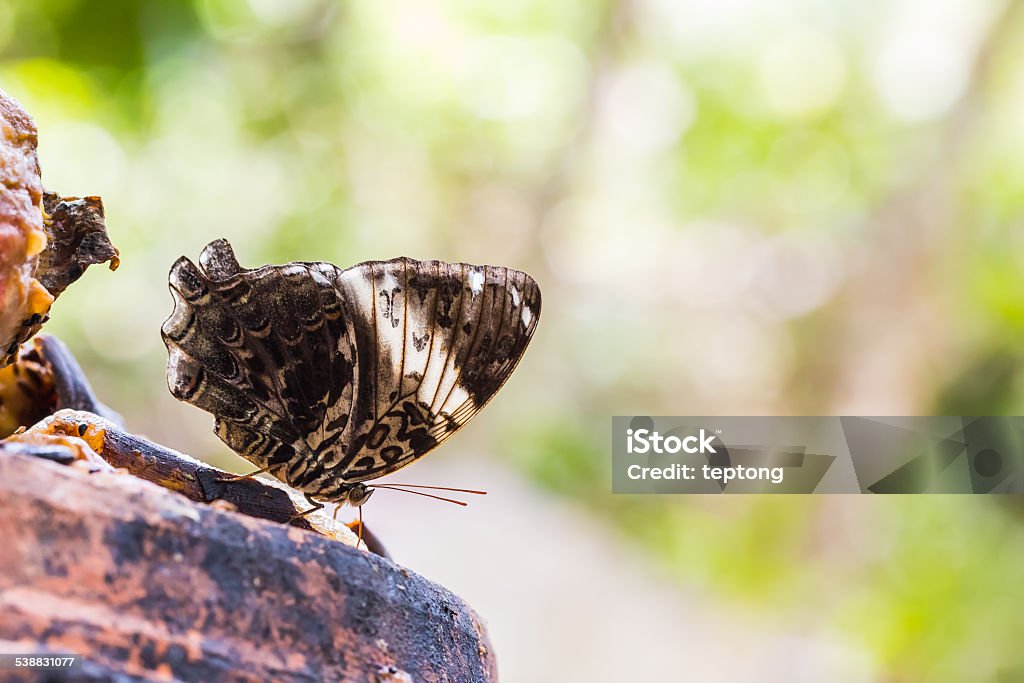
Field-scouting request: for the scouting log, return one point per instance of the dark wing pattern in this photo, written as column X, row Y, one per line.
column 336, row 376
column 268, row 352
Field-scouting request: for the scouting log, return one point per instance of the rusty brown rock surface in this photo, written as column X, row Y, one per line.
column 149, row 585
column 21, row 228
column 46, row 242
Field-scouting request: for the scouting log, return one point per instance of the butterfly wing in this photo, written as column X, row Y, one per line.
column 435, row 342
column 337, row 376
column 268, row 352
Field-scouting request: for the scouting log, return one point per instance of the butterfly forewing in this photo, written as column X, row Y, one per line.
column 335, row 376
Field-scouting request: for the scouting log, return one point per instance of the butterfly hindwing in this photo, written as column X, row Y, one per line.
column 266, row 350
column 334, row 376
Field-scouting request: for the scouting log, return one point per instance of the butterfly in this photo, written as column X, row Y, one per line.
column 328, row 378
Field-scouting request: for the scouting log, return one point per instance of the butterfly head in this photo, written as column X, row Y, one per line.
column 357, row 494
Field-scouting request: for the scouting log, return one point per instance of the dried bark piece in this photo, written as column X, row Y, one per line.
column 46, row 243
column 148, row 585
column 77, row 239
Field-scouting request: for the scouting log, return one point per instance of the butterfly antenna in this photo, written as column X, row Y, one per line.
column 436, row 488
column 421, row 493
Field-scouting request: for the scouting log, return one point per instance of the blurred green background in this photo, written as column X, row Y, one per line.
column 732, row 207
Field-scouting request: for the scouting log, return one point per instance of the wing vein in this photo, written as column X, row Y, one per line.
column 405, row 328
column 455, row 327
column 458, row 375
column 376, row 343
column 433, row 324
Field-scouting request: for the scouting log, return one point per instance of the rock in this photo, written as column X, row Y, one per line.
column 148, row 585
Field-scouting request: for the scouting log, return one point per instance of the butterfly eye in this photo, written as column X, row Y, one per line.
column 359, row 494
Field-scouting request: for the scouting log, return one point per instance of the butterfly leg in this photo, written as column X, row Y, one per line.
column 243, row 477
column 359, row 540
column 316, row 506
